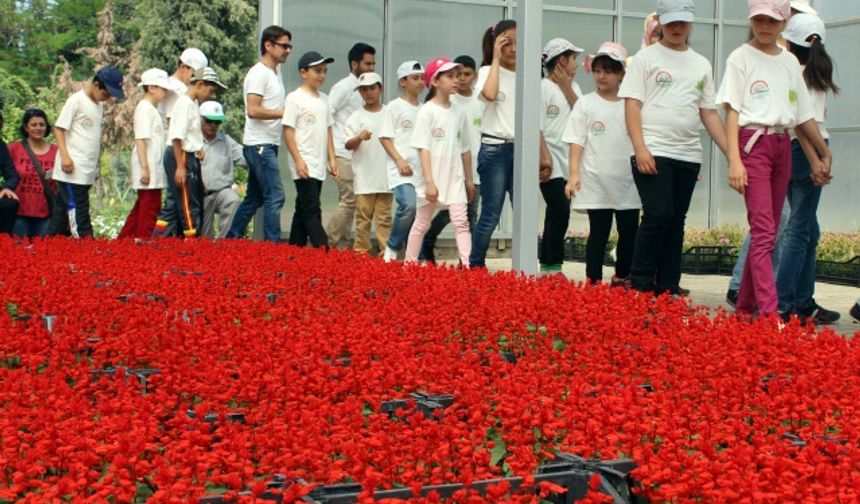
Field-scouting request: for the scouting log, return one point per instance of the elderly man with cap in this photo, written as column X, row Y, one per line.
column 221, row 152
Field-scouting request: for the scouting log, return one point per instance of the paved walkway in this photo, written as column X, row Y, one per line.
column 710, row 290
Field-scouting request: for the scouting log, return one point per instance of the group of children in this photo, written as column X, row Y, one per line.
column 631, row 145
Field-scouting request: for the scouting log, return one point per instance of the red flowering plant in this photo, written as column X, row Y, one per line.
column 169, row 371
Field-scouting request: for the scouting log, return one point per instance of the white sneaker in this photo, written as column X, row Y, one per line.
column 389, row 255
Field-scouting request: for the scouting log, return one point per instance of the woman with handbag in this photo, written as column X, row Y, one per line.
column 33, row 158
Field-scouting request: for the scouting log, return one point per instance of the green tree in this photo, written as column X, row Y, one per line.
column 226, row 30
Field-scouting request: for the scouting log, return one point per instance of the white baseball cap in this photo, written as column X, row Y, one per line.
column 194, row 58
column 368, row 79
column 408, row 68
column 801, row 27
column 803, row 6
column 157, row 77
column 212, row 111
column 558, row 46
column 672, row 11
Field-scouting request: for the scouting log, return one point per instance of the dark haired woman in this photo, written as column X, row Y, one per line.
column 33, row 158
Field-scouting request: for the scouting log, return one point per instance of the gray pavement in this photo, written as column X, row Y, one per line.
column 710, row 290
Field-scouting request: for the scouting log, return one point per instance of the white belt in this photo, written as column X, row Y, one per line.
column 760, row 131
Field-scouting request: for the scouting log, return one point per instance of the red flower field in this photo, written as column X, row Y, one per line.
column 170, row 371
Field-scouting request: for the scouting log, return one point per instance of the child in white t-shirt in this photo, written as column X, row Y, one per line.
column 559, row 93
column 182, row 161
column 369, row 160
column 764, row 95
column 442, row 142
column 78, row 131
column 600, row 181
column 669, row 94
column 496, row 87
column 404, row 170
column 467, row 99
column 795, row 281
column 309, row 139
column 147, row 156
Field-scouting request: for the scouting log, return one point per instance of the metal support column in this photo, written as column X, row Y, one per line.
column 526, row 148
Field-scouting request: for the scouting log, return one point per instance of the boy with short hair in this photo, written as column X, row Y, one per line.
column 474, row 109
column 343, row 101
column 147, row 155
column 372, row 197
column 404, row 169
column 308, row 134
column 186, row 138
column 78, row 131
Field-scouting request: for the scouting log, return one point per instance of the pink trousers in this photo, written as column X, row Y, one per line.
column 460, row 221
column 768, row 167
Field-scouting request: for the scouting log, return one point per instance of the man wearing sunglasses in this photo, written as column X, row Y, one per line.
column 264, row 108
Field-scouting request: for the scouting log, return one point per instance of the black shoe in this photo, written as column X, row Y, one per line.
column 683, row 292
column 818, row 315
column 855, row 312
column 786, row 315
column 732, row 297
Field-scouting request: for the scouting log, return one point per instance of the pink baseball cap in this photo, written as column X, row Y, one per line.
column 613, row 50
column 437, row 66
column 776, row 9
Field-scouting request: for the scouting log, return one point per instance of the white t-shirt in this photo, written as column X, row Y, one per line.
column 81, row 118
column 474, row 110
column 553, row 120
column 343, row 100
column 165, row 108
column 398, row 124
column 605, row 171
column 263, row 81
column 819, row 107
column 311, row 118
column 185, row 125
column 444, row 133
column 673, row 86
column 148, row 127
column 499, row 116
column 765, row 89
column 369, row 160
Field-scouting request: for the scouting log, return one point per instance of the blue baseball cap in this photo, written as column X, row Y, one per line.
column 112, row 80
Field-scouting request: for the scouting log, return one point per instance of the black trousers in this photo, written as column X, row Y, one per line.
column 68, row 194
column 307, row 219
column 555, row 221
column 183, row 208
column 665, row 199
column 600, row 225
column 8, row 214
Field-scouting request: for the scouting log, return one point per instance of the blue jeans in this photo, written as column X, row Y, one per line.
column 795, row 281
column 265, row 189
column 404, row 215
column 30, row 227
column 738, row 271
column 496, row 169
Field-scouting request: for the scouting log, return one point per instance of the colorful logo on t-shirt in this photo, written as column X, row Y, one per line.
column 406, row 124
column 476, row 122
column 552, row 111
column 309, row 119
column 700, row 86
column 598, row 128
column 501, row 97
column 438, row 133
column 87, row 123
column 759, row 89
column 792, row 96
column 664, row 79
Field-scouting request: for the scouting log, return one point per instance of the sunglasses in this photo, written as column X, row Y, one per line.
column 284, row 45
